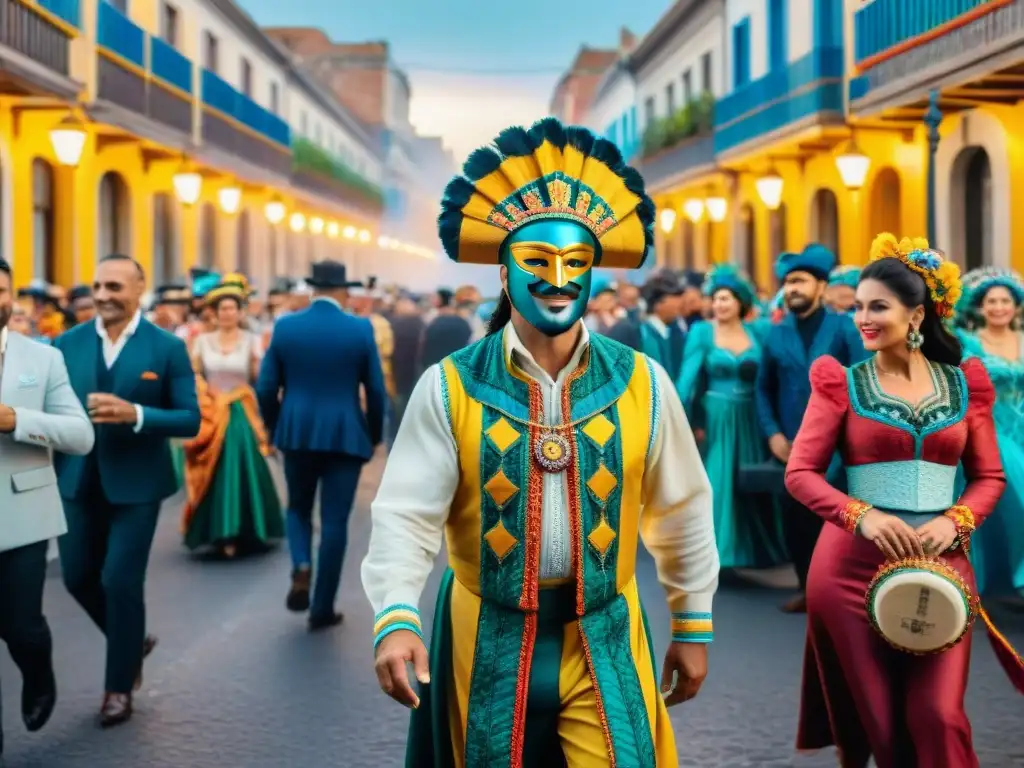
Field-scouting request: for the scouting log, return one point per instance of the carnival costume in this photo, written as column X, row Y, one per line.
column 232, row 501
column 859, row 692
column 717, row 390
column 540, row 653
column 997, row 550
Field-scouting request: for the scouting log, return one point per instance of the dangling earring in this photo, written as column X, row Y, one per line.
column 914, row 339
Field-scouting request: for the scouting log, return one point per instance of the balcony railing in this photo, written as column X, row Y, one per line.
column 808, row 86
column 168, row 65
column 234, row 122
column 119, row 35
column 225, row 99
column 27, row 32
column 315, row 168
column 884, row 26
column 68, row 11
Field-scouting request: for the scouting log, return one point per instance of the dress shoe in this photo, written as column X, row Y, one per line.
column 797, row 605
column 316, row 623
column 147, row 648
column 298, row 595
column 116, row 709
column 38, row 698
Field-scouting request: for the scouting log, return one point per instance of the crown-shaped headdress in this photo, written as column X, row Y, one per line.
column 941, row 276
column 548, row 171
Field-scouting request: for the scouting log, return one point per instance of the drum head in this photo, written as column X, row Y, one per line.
column 919, row 607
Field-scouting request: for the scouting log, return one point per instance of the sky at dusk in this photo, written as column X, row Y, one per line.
column 475, row 67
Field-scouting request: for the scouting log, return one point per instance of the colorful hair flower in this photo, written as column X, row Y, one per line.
column 942, row 277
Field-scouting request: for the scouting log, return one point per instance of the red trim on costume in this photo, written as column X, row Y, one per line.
column 572, row 479
column 522, row 691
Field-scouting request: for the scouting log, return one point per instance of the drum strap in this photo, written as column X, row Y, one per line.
column 1010, row 660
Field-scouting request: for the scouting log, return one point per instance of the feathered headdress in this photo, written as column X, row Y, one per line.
column 548, row 171
column 730, row 277
column 942, row 277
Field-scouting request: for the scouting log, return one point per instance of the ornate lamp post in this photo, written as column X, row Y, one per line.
column 932, row 118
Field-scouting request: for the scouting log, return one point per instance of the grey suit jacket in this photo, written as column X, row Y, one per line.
column 49, row 416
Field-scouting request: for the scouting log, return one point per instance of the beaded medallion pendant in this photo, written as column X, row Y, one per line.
column 552, row 452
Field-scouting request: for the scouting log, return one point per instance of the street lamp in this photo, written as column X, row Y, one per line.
column 332, row 229
column 383, row 242
column 717, row 208
column 230, row 199
column 693, row 209
column 364, row 236
column 68, row 140
column 667, row 220
column 349, row 233
column 769, row 189
column 297, row 222
column 853, row 166
column 274, row 211
column 188, row 184
column 316, row 225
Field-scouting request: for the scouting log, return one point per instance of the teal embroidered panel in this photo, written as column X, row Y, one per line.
column 607, row 632
column 945, row 406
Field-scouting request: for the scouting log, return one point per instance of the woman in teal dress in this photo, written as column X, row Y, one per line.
column 989, row 317
column 716, row 386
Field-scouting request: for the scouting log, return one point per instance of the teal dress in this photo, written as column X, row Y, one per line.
column 717, row 390
column 997, row 547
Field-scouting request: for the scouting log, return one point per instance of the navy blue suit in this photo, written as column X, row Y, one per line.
column 112, row 496
column 782, row 393
column 309, row 393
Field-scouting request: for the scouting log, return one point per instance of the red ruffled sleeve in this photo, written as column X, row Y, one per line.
column 815, row 445
column 982, row 464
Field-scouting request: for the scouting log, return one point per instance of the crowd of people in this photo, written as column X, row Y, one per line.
column 860, row 424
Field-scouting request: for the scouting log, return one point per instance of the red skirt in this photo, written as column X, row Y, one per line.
column 860, row 694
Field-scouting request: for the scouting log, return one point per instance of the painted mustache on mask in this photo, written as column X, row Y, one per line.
column 547, row 290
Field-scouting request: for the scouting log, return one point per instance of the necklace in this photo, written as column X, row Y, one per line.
column 552, row 450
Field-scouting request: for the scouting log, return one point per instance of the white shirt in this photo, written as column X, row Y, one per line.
column 112, row 350
column 422, row 475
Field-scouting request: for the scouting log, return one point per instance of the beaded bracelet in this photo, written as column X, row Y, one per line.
column 394, row 618
column 963, row 519
column 692, row 627
column 853, row 513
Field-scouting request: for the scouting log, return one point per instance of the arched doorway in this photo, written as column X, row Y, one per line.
column 165, row 251
column 885, row 213
column 746, row 253
column 243, row 240
column 972, row 207
column 208, row 236
column 43, row 258
column 776, row 234
column 825, row 219
column 114, row 215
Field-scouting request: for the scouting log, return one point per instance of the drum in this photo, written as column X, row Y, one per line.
column 920, row 605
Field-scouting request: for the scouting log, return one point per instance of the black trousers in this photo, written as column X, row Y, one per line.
column 800, row 527
column 22, row 624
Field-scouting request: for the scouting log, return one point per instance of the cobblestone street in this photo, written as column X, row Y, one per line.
column 237, row 681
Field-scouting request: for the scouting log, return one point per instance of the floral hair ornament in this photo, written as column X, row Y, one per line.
column 941, row 276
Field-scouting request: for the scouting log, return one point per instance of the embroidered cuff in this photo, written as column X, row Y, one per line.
column 394, row 618
column 692, row 627
column 851, row 515
column 963, row 519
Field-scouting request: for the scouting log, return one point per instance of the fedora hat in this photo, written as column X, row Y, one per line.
column 330, row 274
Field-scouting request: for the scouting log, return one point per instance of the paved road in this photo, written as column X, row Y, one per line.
column 237, row 682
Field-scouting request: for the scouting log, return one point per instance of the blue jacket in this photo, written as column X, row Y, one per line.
column 152, row 371
column 783, row 383
column 309, row 383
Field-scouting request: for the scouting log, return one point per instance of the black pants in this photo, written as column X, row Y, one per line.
column 801, row 527
column 22, row 624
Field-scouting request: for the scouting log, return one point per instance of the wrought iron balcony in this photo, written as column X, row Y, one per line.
column 39, row 35
column 236, row 123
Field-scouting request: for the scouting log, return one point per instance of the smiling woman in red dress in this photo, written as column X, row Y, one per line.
column 902, row 421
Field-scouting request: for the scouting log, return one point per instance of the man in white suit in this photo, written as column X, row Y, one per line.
column 39, row 413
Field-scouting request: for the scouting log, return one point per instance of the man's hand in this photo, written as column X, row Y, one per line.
column 110, row 409
column 686, row 666
column 8, row 419
column 395, row 651
column 780, row 447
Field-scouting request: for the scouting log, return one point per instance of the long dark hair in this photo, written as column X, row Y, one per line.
column 501, row 315
column 939, row 344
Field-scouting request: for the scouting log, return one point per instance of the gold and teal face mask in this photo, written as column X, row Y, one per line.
column 550, row 269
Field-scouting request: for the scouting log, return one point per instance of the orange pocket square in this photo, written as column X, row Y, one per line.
column 149, row 376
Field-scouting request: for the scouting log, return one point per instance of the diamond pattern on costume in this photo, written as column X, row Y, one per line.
column 601, row 537
column 600, row 430
column 500, row 540
column 502, row 435
column 602, row 483
column 500, row 488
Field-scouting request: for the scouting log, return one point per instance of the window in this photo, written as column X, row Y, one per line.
column 741, row 53
column 275, row 98
column 670, row 99
column 164, row 256
column 303, row 123
column 246, row 77
column 687, row 86
column 210, row 52
column 776, row 35
column 169, row 24
column 121, row 5
column 43, row 267
column 705, row 73
column 114, row 215
column 649, row 112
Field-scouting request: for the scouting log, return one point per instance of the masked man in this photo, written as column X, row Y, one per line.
column 542, row 452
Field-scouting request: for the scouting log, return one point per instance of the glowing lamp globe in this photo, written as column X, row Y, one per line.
column 274, row 211
column 230, row 199
column 693, row 209
column 364, row 236
column 667, row 220
column 68, row 140
column 188, row 185
column 297, row 222
column 853, row 166
column 769, row 189
column 316, row 225
column 332, row 229
column 349, row 233
column 717, row 208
